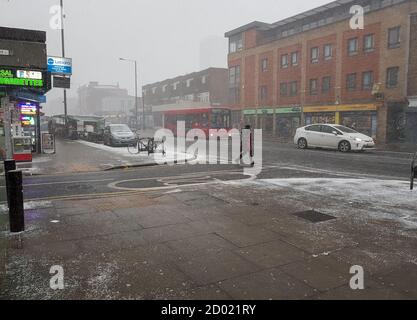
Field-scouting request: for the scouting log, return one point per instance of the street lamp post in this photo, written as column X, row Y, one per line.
column 136, row 96
column 63, row 55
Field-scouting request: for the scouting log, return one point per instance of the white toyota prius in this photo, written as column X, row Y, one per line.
column 332, row 136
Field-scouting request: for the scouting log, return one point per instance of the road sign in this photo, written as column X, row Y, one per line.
column 62, row 82
column 61, row 66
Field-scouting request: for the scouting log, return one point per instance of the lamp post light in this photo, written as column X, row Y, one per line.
column 136, row 96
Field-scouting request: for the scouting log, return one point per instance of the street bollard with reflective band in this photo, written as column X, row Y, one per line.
column 16, row 209
column 9, row 165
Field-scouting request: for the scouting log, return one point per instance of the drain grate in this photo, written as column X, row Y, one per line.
column 314, row 216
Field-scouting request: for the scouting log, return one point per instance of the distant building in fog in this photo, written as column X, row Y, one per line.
column 203, row 89
column 109, row 101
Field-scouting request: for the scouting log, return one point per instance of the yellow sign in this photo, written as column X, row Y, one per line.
column 341, row 108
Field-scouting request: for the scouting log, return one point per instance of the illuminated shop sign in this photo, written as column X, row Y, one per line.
column 21, row 78
column 28, row 109
column 26, row 74
column 27, row 120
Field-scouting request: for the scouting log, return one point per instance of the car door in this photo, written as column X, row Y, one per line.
column 313, row 135
column 328, row 138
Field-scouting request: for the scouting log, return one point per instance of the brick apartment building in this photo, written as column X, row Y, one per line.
column 314, row 68
column 203, row 89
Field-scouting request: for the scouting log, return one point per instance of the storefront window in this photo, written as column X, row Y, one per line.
column 363, row 122
column 325, row 117
column 287, row 125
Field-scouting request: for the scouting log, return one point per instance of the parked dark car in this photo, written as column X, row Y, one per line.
column 119, row 135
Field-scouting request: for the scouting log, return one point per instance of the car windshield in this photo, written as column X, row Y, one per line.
column 120, row 128
column 345, row 129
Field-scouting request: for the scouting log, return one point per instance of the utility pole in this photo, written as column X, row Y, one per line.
column 63, row 55
column 143, row 110
column 5, row 102
column 136, row 97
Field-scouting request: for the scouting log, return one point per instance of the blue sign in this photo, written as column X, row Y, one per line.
column 61, row 66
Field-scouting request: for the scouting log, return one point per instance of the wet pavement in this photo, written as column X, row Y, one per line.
column 211, row 232
column 228, row 240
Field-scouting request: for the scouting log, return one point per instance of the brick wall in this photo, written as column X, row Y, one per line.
column 412, row 62
column 324, row 68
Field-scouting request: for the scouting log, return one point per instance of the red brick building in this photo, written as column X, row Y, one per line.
column 314, row 67
column 203, row 89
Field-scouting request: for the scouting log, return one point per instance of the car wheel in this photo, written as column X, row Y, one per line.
column 302, row 143
column 344, row 146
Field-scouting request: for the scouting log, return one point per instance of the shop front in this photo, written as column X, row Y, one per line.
column 266, row 120
column 288, row 120
column 360, row 117
column 262, row 118
column 250, row 117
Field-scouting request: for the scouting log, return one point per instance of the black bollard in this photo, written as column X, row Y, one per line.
column 16, row 209
column 9, row 165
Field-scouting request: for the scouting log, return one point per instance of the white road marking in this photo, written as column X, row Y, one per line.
column 65, row 182
column 169, row 182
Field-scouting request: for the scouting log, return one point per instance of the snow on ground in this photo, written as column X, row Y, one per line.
column 30, row 205
column 141, row 157
column 383, row 199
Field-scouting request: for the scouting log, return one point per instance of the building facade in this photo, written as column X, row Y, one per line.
column 204, row 89
column 314, row 68
column 110, row 102
column 24, row 81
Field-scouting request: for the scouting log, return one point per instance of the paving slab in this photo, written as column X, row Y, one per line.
column 270, row 284
column 272, row 254
column 322, row 273
column 215, row 267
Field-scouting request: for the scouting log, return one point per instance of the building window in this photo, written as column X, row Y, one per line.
column 175, row 85
column 164, row 88
column 154, row 90
column 204, row 79
column 189, row 97
column 325, row 86
column 313, row 87
column 314, row 55
column 234, row 76
column 367, row 80
column 263, row 93
column 369, row 43
column 234, row 95
column 392, row 77
column 293, row 88
column 189, row 81
column 204, row 97
column 235, row 43
column 394, row 37
column 264, row 65
column 283, row 89
column 234, row 85
column 351, row 82
column 284, row 61
column 294, row 58
column 328, row 51
column 353, row 46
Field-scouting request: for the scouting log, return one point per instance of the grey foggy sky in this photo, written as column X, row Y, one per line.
column 163, row 35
